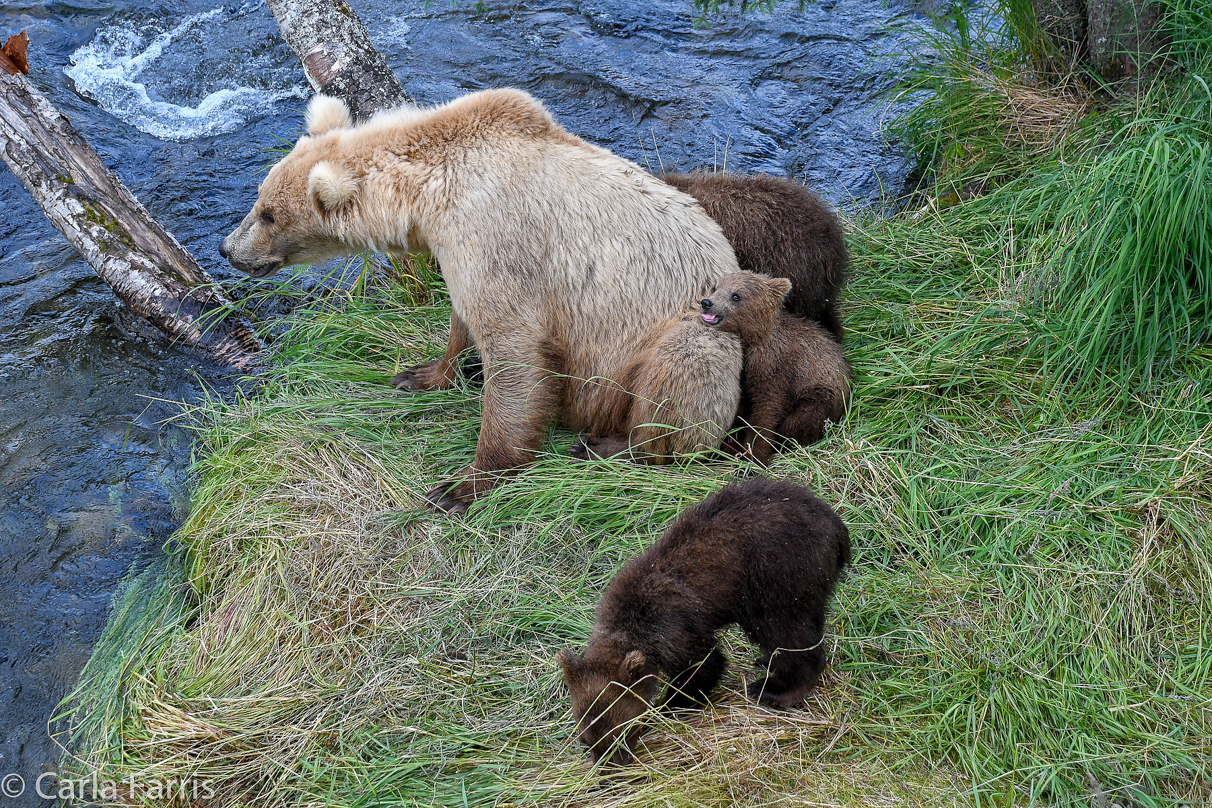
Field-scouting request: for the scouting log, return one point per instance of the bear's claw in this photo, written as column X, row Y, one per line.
column 432, row 375
column 448, row 497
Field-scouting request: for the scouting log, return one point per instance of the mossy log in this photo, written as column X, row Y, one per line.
column 146, row 267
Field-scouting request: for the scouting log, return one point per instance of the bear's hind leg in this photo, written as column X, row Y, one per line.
column 806, row 423
column 693, row 686
column 793, row 666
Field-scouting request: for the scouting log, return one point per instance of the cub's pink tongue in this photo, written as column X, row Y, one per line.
column 710, row 319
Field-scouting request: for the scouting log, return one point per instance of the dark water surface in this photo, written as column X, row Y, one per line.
column 186, row 98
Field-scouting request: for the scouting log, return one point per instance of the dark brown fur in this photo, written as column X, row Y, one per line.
column 764, row 554
column 779, row 228
column 796, row 377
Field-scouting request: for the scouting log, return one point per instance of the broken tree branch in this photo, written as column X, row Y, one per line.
column 146, row 267
column 337, row 55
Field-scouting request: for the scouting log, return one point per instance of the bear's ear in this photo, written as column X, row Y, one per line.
column 331, row 185
column 779, row 287
column 572, row 664
column 326, row 114
column 632, row 666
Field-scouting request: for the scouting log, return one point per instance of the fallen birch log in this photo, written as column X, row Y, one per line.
column 337, row 55
column 145, row 266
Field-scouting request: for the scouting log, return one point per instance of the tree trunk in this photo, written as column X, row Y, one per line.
column 1118, row 39
column 138, row 258
column 337, row 54
column 1125, row 39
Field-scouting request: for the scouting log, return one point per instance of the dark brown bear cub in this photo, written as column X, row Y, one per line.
column 779, row 228
column 795, row 377
column 764, row 554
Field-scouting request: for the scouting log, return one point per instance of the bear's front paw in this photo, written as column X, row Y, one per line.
column 432, row 375
column 453, row 496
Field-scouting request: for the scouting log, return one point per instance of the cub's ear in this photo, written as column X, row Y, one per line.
column 632, row 667
column 779, row 287
column 326, row 114
column 331, row 185
column 571, row 664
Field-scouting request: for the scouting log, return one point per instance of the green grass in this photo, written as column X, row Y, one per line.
column 1114, row 194
column 1027, row 614
column 1026, row 471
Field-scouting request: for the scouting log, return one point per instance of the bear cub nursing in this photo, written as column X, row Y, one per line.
column 795, row 378
column 764, row 554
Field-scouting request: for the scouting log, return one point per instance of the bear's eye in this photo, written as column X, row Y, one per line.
column 735, row 297
column 267, row 217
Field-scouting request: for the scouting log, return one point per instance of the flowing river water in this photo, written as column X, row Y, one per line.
column 186, row 100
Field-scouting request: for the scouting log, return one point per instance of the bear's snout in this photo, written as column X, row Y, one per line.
column 706, row 302
column 223, row 248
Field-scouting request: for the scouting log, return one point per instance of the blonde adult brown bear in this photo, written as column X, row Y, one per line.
column 560, row 257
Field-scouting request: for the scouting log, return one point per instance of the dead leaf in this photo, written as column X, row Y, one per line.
column 12, row 55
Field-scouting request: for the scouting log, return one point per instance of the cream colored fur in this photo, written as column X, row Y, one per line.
column 559, row 256
column 324, row 114
column 332, row 185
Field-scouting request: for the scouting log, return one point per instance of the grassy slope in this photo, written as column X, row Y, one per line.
column 1028, row 607
column 1027, row 619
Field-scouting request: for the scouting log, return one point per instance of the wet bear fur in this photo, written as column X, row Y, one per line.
column 796, row 378
column 764, row 554
column 778, row 227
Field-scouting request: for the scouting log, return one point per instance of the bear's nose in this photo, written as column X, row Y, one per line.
column 223, row 248
column 707, row 304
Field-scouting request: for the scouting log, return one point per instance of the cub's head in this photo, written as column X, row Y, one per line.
column 304, row 201
column 744, row 303
column 607, row 702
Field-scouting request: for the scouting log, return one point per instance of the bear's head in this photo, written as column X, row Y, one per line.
column 304, row 205
column 607, row 702
column 745, row 304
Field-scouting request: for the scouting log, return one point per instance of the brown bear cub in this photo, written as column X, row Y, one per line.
column 778, row 227
column 764, row 554
column 679, row 396
column 795, row 376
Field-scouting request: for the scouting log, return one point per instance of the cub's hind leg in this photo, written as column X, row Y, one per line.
column 693, row 685
column 806, row 423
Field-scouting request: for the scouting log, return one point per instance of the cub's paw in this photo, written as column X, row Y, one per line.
column 432, row 375
column 580, row 448
column 591, row 447
column 760, row 691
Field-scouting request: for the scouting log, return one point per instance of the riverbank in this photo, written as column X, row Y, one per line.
column 1027, row 604
column 1026, row 619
